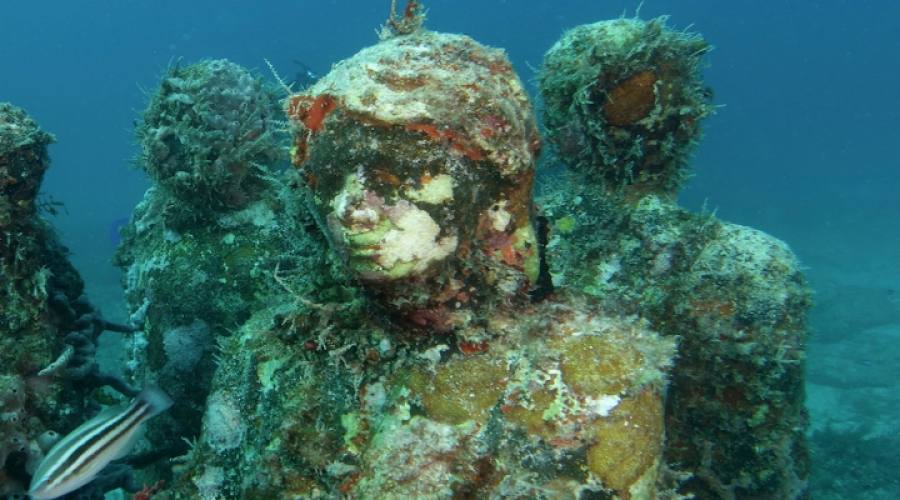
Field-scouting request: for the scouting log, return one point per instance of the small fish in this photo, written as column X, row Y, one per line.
column 77, row 458
column 304, row 78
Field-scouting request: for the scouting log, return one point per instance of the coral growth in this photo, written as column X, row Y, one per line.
column 403, row 177
column 208, row 135
column 622, row 104
column 442, row 375
column 736, row 299
column 445, row 378
column 221, row 218
column 410, row 21
column 631, row 99
column 372, row 415
column 311, row 111
column 13, row 430
column 636, row 424
column 47, row 326
column 23, row 160
column 623, row 100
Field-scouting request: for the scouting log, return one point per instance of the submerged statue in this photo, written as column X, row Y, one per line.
column 622, row 105
column 444, row 377
column 395, row 314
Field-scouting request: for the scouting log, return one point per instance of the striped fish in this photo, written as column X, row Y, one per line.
column 77, row 458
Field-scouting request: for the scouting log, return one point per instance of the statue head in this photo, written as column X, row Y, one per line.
column 419, row 155
column 622, row 103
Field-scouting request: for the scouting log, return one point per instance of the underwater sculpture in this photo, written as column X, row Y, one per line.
column 406, row 345
column 28, row 341
column 48, row 328
column 420, row 169
column 207, row 139
column 622, row 100
column 214, row 223
column 440, row 376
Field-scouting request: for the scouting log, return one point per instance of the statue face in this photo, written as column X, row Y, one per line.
column 429, row 230
column 433, row 214
column 401, row 230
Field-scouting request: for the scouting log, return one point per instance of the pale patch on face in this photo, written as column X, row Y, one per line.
column 389, row 241
column 437, row 190
column 413, row 240
column 499, row 216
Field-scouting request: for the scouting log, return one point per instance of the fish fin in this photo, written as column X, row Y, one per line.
column 156, row 399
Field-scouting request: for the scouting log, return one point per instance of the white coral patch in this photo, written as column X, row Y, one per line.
column 600, row 407
column 499, row 216
column 438, row 190
column 413, row 239
column 223, row 425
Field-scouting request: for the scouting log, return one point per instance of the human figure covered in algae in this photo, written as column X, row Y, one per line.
column 417, row 157
column 400, row 335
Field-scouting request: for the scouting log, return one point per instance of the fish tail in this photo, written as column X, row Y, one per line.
column 155, row 399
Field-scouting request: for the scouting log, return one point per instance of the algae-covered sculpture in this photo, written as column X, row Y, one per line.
column 381, row 316
column 623, row 101
column 734, row 296
column 215, row 223
column 445, row 378
column 29, row 341
column 48, row 329
column 207, row 137
column 419, row 154
column 23, row 161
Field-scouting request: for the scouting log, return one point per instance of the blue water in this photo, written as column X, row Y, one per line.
column 804, row 145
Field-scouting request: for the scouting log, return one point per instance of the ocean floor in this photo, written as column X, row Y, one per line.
column 853, row 360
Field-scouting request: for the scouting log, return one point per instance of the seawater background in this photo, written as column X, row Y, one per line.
column 803, row 147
